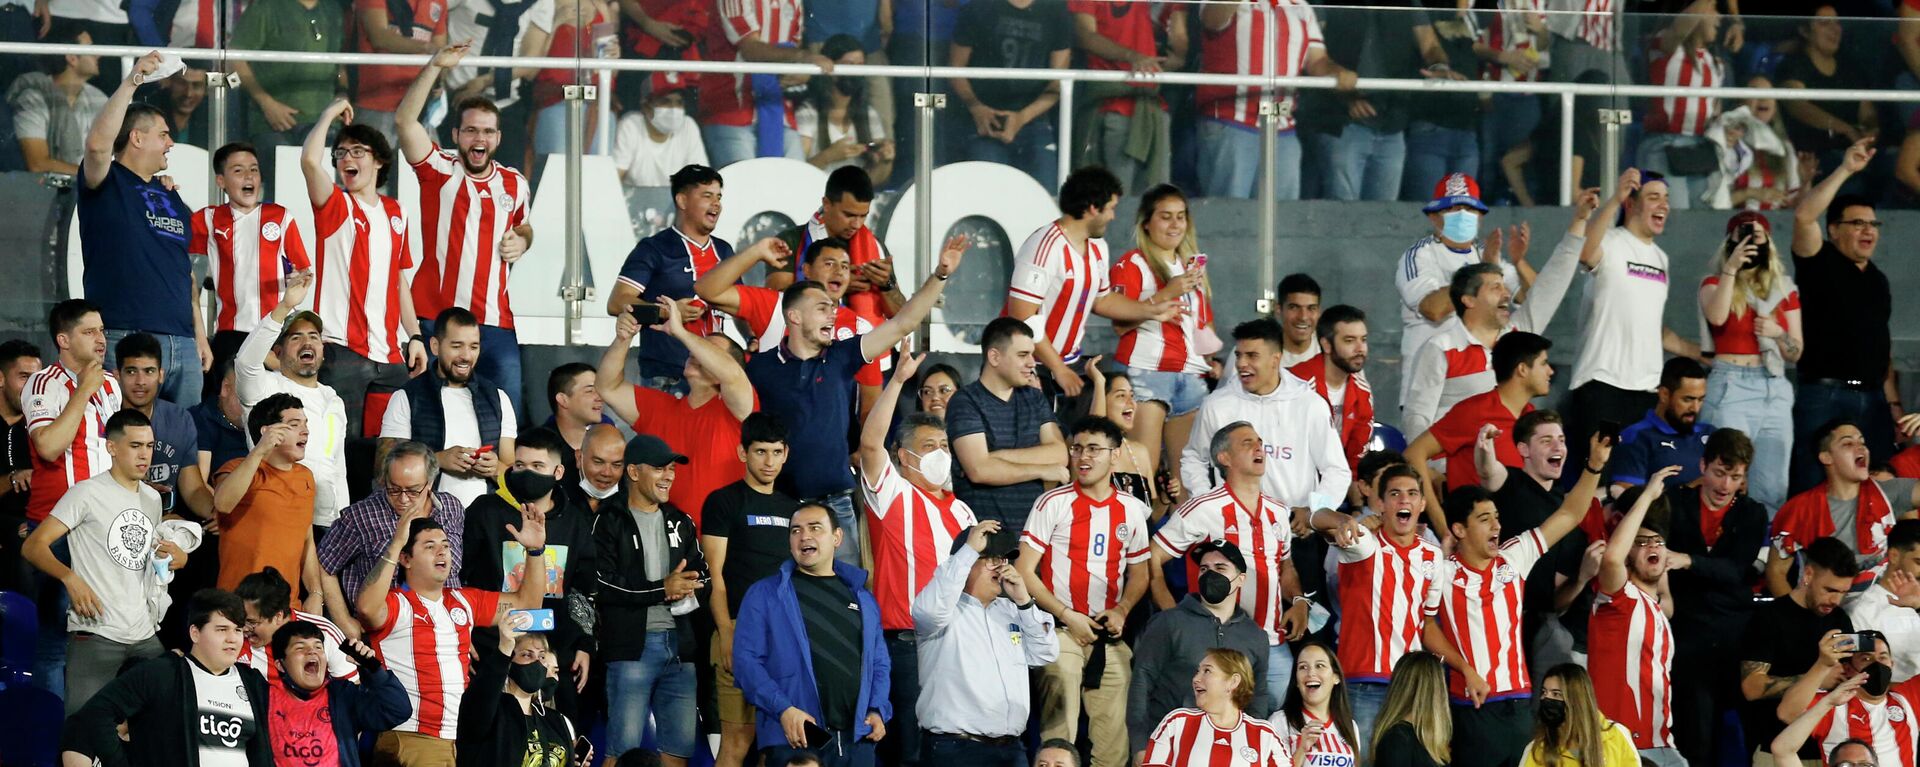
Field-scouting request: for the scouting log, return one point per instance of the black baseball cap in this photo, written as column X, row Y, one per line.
column 1226, row 549
column 1004, row 544
column 652, row 451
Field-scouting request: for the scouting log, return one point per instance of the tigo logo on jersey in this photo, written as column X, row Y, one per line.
column 227, row 729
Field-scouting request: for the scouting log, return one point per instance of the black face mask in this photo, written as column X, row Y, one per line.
column 1879, row 680
column 529, row 677
column 1215, row 587
column 1551, row 712
column 528, row 485
column 849, row 86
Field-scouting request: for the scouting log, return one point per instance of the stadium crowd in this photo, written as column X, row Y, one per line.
column 297, row 526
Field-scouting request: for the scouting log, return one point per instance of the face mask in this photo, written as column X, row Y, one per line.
column 850, row 87
column 936, row 466
column 528, row 485
column 1879, row 680
column 593, row 492
column 1460, row 225
column 668, row 119
column 1215, row 587
column 1551, row 713
column 529, row 677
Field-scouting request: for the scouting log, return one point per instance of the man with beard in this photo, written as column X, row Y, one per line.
column 468, row 417
column 871, row 291
column 250, row 246
column 1633, row 645
column 317, row 718
column 1060, row 279
column 18, row 361
column 1786, row 637
column 475, row 210
column 295, row 337
column 1672, row 434
column 1338, row 375
column 666, row 265
column 1850, row 506
column 175, row 471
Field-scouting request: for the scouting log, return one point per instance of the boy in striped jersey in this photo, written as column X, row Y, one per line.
column 1384, row 577
column 251, row 246
column 1631, row 647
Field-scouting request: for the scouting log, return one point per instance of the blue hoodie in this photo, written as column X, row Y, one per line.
column 773, row 659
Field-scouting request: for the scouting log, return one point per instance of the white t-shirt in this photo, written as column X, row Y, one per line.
column 224, row 722
column 1337, row 399
column 103, row 11
column 463, row 23
column 645, row 162
column 111, row 535
column 808, row 120
column 1620, row 331
column 462, row 428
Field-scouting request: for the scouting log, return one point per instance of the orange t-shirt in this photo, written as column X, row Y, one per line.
column 270, row 526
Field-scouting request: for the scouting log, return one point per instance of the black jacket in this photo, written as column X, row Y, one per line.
column 493, row 732
column 623, row 591
column 567, row 525
column 158, row 702
column 1713, row 598
column 1173, row 643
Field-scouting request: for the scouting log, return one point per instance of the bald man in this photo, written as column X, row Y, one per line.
column 601, row 460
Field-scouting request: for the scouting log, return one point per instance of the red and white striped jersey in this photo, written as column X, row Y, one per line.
column 1065, row 284
column 1188, row 738
column 1382, row 586
column 1086, row 545
column 1595, row 26
column 1479, row 610
column 46, row 394
column 1332, row 750
column 1508, row 30
column 1630, row 654
column 339, row 665
column 727, row 99
column 356, row 286
column 1890, row 726
column 248, row 255
column 1760, row 175
column 464, row 217
column 1265, row 37
column 1156, row 345
column 425, row 644
column 913, row 533
column 1264, row 536
column 1687, row 69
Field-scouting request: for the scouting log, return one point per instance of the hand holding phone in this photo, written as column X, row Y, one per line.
column 646, row 314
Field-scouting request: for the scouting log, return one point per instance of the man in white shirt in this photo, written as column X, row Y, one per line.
column 660, row 137
column 295, row 338
column 1888, row 604
column 466, row 416
column 1423, row 274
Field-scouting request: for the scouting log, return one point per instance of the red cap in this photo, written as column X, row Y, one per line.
column 1455, row 189
column 1749, row 217
column 668, row 82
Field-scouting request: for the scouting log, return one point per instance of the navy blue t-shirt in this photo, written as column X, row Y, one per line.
column 176, row 445
column 133, row 241
column 216, row 434
column 814, row 398
column 667, row 264
column 1652, row 444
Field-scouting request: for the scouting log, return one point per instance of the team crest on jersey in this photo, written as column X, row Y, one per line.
column 1248, row 755
column 433, row 12
column 459, row 616
column 1504, row 573
column 1896, row 714
column 1424, row 568
column 240, row 691
column 270, row 231
column 398, row 225
column 1121, row 531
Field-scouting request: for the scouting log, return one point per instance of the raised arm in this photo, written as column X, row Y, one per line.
column 314, row 157
column 372, row 599
column 98, row 159
column 873, row 431
column 933, row 608
column 1826, row 672
column 1816, row 199
column 610, row 379
column 1613, row 565
column 1716, row 300
column 1486, row 461
column 719, row 286
column 415, row 142
column 1786, row 746
column 876, row 343
column 735, row 389
column 531, row 534
column 1602, row 219
column 1574, row 508
column 229, row 491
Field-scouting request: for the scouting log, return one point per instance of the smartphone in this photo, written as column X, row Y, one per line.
column 1199, row 260
column 482, row 450
column 1855, row 642
column 647, row 314
column 537, row 620
column 817, row 736
column 1608, row 429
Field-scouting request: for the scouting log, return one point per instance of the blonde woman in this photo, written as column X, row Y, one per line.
column 1751, row 313
column 1217, row 732
column 1169, row 361
column 1415, row 727
column 1568, row 728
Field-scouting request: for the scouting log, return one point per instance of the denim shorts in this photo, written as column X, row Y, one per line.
column 1182, row 393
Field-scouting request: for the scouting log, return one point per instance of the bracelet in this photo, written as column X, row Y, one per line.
column 389, row 560
column 536, row 552
column 1591, row 470
column 940, row 275
column 1025, row 606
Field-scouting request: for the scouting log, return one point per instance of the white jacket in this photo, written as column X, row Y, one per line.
column 1306, row 464
column 326, row 418
column 1869, row 609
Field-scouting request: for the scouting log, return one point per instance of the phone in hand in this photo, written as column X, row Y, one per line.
column 1859, row 641
column 646, row 314
column 1608, row 429
column 1199, row 261
column 537, row 620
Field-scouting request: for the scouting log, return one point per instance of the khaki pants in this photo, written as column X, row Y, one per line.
column 1061, row 699
column 411, row 749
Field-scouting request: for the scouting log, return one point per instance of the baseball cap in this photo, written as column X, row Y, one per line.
column 652, row 451
column 668, row 82
column 1004, row 544
column 303, row 315
column 1226, row 549
column 1455, row 189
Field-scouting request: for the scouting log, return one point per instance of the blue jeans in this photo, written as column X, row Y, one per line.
column 950, row 750
column 1761, row 406
column 1510, row 122
column 179, row 365
column 499, row 363
column 1279, row 672
column 849, row 549
column 1181, row 393
column 1432, row 153
column 1229, row 161
column 1035, row 151
column 550, row 132
column 1360, row 163
column 728, row 144
column 50, row 650
column 1682, row 191
column 841, row 750
column 1662, row 757
column 659, row 685
column 1366, row 699
column 1816, row 404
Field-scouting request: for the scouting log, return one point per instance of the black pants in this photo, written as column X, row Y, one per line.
column 1585, row 408
column 1815, row 405
column 1703, row 689
column 903, row 745
column 1493, row 735
column 952, row 750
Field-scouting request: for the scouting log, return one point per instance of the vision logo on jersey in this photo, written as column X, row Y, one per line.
column 1330, row 760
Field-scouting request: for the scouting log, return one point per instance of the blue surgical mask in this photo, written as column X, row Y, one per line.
column 1460, row 225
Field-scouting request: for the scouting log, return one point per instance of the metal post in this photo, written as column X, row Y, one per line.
column 218, row 85
column 926, row 106
column 1613, row 120
column 573, row 289
column 603, row 122
column 1065, row 153
column 1567, row 181
column 1269, row 198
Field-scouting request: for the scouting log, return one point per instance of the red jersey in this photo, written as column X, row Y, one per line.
column 1065, row 285
column 1630, row 654
column 1265, row 37
column 708, row 435
column 1806, row 517
column 1381, row 587
column 864, row 246
column 45, row 395
column 760, row 309
column 1264, row 536
column 248, row 256
column 1130, row 23
column 1460, row 428
column 1168, row 347
column 1187, row 737
column 912, row 532
column 464, row 217
column 425, row 644
column 364, row 254
column 727, row 99
column 1687, row 116
column 379, row 88
column 1906, row 463
column 1479, row 611
column 1086, row 545
column 1890, row 726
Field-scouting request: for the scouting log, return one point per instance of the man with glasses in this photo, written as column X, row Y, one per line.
column 356, row 542
column 1845, row 304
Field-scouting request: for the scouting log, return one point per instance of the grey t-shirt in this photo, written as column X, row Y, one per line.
column 653, row 530
column 1899, row 494
column 111, row 535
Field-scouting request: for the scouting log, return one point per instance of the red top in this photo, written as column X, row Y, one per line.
column 1355, row 406
column 1457, row 430
column 380, row 87
column 1631, row 660
column 708, row 435
column 1126, row 22
column 913, row 533
column 1737, row 336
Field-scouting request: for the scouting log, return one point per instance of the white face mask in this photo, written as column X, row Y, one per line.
column 936, row 466
column 596, row 493
column 668, row 119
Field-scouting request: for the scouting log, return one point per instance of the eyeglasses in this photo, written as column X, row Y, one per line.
column 355, row 152
column 1864, row 222
column 941, row 391
column 408, row 493
column 472, row 131
column 1854, row 764
column 1649, row 543
column 1089, row 450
